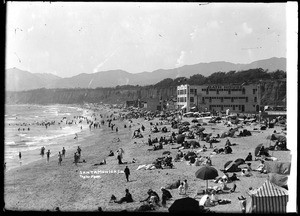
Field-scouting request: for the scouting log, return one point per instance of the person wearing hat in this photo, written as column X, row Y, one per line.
column 166, row 195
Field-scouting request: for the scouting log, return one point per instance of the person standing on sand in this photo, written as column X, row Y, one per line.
column 63, row 151
column 117, row 129
column 75, row 158
column 79, row 152
column 20, row 156
column 127, row 173
column 48, row 155
column 185, row 186
column 59, row 158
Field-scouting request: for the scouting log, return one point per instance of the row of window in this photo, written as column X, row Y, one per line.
column 205, row 89
column 225, row 97
column 222, row 98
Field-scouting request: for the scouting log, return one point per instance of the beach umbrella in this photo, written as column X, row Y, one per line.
column 239, row 161
column 166, row 152
column 227, row 163
column 257, row 149
column 186, row 204
column 206, row 173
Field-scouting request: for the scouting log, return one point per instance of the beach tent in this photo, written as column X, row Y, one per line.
column 278, row 167
column 256, row 151
column 231, row 167
column 239, row 161
column 269, row 198
column 278, row 179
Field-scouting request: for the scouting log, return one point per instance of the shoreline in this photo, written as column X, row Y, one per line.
column 30, row 156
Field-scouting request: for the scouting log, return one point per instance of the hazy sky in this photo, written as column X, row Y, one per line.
column 67, row 39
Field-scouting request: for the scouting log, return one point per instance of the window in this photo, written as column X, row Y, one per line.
column 254, row 90
column 217, row 91
column 203, row 100
column 184, row 91
column 222, row 99
column 255, row 99
column 233, row 107
column 210, row 99
column 192, row 99
column 195, row 91
column 184, row 99
column 191, row 91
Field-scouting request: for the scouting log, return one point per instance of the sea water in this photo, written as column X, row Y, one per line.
column 31, row 137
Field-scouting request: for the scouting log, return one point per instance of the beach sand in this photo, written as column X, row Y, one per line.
column 44, row 186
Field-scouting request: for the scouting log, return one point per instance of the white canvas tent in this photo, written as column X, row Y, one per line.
column 269, row 198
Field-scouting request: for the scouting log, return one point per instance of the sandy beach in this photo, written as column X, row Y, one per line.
column 42, row 186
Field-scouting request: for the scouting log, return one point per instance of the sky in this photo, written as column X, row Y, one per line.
column 67, row 39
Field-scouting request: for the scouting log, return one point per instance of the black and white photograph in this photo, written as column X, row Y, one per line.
column 157, row 107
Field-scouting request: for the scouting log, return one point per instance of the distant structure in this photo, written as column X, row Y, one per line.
column 236, row 98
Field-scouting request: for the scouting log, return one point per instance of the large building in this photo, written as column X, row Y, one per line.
column 236, row 98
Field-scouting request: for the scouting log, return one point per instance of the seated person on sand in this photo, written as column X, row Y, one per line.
column 228, row 143
column 261, row 167
column 228, row 150
column 152, row 198
column 101, row 163
column 127, row 198
column 245, row 173
column 214, row 198
column 181, row 189
column 166, row 195
column 208, row 202
column 111, row 153
column 249, row 157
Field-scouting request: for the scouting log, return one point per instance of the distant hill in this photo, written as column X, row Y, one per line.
column 18, row 80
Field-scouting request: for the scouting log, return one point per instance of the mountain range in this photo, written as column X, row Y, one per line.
column 19, row 80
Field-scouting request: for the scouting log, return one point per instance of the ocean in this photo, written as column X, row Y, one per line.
column 26, row 133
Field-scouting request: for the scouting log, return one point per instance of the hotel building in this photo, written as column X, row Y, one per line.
column 236, row 98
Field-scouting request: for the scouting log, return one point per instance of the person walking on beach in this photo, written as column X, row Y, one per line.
column 117, row 129
column 20, row 156
column 43, row 151
column 63, row 151
column 127, row 173
column 79, row 152
column 59, row 158
column 48, row 155
column 75, row 158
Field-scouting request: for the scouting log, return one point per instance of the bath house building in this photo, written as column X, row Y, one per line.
column 236, row 98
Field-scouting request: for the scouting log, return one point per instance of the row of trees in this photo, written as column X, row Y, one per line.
column 250, row 76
